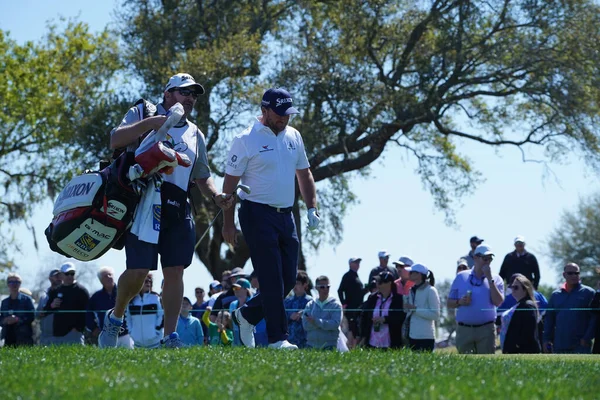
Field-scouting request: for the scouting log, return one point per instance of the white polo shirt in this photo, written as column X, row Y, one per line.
column 267, row 163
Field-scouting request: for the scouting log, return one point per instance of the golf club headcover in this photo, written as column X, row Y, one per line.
column 161, row 158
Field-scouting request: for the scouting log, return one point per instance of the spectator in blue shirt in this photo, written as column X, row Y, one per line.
column 294, row 307
column 570, row 324
column 475, row 294
column 16, row 315
column 188, row 326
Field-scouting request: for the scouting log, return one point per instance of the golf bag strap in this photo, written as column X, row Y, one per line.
column 146, row 109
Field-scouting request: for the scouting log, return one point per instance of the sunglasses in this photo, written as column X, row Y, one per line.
column 188, row 92
column 572, row 273
column 323, row 286
column 70, row 273
column 486, row 258
column 13, row 282
column 515, row 287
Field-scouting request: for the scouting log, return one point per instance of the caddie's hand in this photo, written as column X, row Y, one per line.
column 229, row 233
column 224, row 201
column 314, row 219
column 155, row 122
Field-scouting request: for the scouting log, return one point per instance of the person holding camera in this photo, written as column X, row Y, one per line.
column 383, row 316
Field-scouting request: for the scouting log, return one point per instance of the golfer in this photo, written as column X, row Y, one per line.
column 267, row 156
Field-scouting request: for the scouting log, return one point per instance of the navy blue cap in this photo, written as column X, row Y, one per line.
column 280, row 101
column 476, row 239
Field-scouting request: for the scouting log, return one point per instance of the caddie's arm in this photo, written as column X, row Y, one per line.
column 208, row 189
column 125, row 135
column 229, row 184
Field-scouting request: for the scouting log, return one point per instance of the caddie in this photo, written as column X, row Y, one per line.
column 171, row 231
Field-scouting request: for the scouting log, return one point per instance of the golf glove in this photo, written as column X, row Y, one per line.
column 313, row 219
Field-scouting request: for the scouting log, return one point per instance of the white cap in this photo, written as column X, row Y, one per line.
column 183, row 80
column 67, row 267
column 404, row 261
column 215, row 284
column 483, row 250
column 462, row 261
column 420, row 268
column 354, row 259
column 383, row 254
column 520, row 238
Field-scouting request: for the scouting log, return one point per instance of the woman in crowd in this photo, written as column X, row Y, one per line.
column 519, row 333
column 16, row 315
column 423, row 309
column 382, row 316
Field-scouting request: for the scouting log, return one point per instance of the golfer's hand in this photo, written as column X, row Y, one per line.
column 224, row 201
column 229, row 233
column 313, row 219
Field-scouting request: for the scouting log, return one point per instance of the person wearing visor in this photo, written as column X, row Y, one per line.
column 383, row 316
column 267, row 157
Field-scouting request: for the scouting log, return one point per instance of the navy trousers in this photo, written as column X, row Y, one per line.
column 273, row 242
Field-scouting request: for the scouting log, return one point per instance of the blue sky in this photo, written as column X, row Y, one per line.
column 394, row 212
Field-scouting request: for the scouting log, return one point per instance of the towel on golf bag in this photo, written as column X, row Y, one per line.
column 146, row 222
column 93, row 211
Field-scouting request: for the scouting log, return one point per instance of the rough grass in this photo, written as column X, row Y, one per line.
column 211, row 373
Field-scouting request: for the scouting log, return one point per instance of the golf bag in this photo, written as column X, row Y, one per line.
column 93, row 212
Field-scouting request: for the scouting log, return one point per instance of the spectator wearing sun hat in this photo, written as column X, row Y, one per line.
column 384, row 258
column 423, row 309
column 522, row 262
column 403, row 284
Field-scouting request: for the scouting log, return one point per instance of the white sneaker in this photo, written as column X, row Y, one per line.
column 283, row 344
column 246, row 328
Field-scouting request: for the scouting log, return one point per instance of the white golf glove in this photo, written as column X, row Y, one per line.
column 313, row 219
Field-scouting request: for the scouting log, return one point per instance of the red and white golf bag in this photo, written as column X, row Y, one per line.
column 93, row 212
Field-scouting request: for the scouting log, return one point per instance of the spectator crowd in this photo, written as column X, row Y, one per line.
column 399, row 307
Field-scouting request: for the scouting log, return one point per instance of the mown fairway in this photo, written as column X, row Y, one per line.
column 217, row 373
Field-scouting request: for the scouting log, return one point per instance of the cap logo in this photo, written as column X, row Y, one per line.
column 186, row 77
column 283, row 101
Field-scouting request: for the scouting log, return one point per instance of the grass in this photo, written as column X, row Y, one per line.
column 210, row 373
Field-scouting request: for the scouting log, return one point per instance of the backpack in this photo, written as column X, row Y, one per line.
column 95, row 210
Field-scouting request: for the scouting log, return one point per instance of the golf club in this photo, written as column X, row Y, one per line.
column 243, row 188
